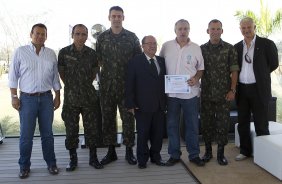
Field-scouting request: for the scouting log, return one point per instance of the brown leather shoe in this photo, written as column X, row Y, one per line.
column 24, row 173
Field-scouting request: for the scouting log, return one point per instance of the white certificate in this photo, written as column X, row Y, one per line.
column 177, row 84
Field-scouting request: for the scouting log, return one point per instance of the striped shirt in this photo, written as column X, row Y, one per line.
column 34, row 73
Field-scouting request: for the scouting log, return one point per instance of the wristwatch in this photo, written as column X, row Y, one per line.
column 14, row 96
column 233, row 91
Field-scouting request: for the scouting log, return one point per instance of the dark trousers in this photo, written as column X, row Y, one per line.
column 150, row 127
column 250, row 102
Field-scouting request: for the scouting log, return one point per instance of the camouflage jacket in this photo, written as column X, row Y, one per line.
column 220, row 61
column 114, row 52
column 79, row 70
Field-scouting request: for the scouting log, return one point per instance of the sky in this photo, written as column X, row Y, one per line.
column 143, row 17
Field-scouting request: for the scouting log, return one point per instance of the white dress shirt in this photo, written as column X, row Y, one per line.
column 34, row 73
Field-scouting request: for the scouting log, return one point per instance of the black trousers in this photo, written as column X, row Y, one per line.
column 150, row 127
column 249, row 103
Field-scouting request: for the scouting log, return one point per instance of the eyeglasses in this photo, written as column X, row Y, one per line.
column 248, row 58
column 151, row 43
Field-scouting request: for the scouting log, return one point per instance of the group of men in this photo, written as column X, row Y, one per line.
column 133, row 81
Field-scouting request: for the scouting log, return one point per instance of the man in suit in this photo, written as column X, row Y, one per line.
column 257, row 58
column 145, row 98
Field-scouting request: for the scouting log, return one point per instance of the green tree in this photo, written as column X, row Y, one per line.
column 265, row 23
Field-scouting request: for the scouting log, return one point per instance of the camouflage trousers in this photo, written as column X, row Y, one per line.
column 109, row 103
column 91, row 117
column 215, row 120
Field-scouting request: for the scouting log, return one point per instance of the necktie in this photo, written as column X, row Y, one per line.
column 153, row 67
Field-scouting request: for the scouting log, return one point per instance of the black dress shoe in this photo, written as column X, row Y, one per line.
column 109, row 158
column 207, row 157
column 198, row 161
column 142, row 166
column 71, row 166
column 222, row 160
column 158, row 162
column 96, row 164
column 53, row 170
column 24, row 173
column 171, row 161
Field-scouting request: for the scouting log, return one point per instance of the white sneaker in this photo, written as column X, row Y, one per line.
column 240, row 157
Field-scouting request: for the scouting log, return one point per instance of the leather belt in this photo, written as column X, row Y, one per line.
column 242, row 84
column 36, row 94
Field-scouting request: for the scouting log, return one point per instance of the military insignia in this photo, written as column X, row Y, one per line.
column 70, row 57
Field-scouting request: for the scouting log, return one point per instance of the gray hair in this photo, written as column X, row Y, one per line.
column 181, row 21
column 247, row 19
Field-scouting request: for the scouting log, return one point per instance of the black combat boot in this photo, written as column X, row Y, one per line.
column 208, row 154
column 73, row 160
column 220, row 155
column 93, row 160
column 110, row 157
column 129, row 156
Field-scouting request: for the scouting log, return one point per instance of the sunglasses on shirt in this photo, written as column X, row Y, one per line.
column 248, row 58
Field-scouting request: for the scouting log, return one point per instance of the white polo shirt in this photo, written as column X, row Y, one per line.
column 183, row 61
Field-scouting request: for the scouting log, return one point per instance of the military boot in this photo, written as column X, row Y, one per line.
column 93, row 160
column 110, row 157
column 208, row 154
column 73, row 160
column 129, row 156
column 220, row 155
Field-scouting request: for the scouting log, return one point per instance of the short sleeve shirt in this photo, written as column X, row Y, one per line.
column 220, row 61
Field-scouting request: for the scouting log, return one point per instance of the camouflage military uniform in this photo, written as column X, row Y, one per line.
column 220, row 61
column 114, row 51
column 80, row 97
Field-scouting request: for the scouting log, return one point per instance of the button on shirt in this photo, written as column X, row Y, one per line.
column 247, row 75
column 183, row 61
column 34, row 73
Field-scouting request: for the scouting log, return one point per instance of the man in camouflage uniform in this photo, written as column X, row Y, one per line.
column 218, row 89
column 115, row 47
column 78, row 66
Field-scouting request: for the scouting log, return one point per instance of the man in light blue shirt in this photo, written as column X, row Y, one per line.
column 34, row 71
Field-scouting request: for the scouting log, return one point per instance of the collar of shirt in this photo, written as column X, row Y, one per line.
column 187, row 44
column 220, row 44
column 148, row 58
column 252, row 42
column 123, row 32
column 73, row 48
column 32, row 47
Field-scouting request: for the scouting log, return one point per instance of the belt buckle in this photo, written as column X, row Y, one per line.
column 34, row 94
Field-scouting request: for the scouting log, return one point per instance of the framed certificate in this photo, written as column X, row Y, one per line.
column 177, row 84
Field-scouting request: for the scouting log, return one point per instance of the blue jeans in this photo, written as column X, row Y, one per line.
column 190, row 109
column 42, row 109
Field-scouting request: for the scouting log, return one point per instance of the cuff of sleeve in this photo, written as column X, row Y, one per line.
column 13, row 84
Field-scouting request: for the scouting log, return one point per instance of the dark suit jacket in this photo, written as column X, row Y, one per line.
column 264, row 62
column 145, row 90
